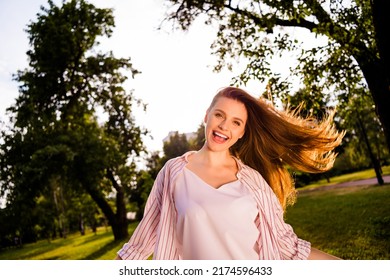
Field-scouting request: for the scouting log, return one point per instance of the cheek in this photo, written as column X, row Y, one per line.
column 241, row 134
column 207, row 127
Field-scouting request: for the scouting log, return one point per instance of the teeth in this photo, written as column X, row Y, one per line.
column 221, row 135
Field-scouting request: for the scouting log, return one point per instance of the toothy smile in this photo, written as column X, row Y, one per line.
column 221, row 136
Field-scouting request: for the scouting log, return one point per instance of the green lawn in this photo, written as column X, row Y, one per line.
column 351, row 223
column 91, row 246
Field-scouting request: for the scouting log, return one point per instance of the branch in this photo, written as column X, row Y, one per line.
column 120, row 195
column 110, row 176
column 277, row 21
column 333, row 30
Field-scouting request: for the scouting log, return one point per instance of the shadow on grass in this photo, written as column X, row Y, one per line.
column 109, row 246
column 94, row 237
column 31, row 251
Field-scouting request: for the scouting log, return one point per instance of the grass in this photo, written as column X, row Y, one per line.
column 91, row 246
column 349, row 222
column 352, row 222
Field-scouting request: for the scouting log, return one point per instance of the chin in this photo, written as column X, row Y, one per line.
column 217, row 147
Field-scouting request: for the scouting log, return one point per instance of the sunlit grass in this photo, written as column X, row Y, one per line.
column 91, row 246
column 351, row 223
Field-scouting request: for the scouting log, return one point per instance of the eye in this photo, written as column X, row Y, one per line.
column 218, row 115
column 237, row 123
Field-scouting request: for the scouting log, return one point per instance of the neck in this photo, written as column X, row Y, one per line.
column 213, row 158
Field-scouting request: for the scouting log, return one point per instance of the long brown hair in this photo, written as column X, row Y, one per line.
column 276, row 139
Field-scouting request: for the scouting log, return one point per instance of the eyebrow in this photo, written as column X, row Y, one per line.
column 222, row 111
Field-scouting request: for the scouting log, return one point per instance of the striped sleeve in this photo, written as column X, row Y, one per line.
column 277, row 239
column 143, row 240
column 291, row 247
column 166, row 240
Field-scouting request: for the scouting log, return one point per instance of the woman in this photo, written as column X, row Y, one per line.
column 227, row 200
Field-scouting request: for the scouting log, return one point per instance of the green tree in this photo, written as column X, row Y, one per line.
column 175, row 146
column 356, row 46
column 141, row 192
column 73, row 119
column 197, row 142
column 154, row 162
column 309, row 101
column 145, row 179
column 365, row 140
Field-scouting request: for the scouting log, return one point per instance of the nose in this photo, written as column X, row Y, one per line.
column 222, row 125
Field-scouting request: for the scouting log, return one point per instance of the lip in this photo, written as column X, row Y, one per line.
column 219, row 138
column 219, row 134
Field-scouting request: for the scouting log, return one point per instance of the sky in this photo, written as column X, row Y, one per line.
column 177, row 82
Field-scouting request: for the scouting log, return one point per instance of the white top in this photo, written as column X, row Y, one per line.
column 156, row 233
column 214, row 223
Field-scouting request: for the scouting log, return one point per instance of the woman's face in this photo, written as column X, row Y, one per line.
column 225, row 123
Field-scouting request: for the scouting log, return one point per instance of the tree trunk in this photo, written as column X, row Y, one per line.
column 374, row 160
column 82, row 227
column 379, row 86
column 377, row 73
column 117, row 222
column 381, row 22
column 120, row 217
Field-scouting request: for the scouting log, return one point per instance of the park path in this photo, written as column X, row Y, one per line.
column 357, row 183
column 371, row 181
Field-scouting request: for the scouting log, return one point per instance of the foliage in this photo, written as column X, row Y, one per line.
column 140, row 193
column 357, row 117
column 175, row 146
column 350, row 49
column 178, row 144
column 198, row 141
column 73, row 131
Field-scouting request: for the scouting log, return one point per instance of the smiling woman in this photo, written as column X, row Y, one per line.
column 225, row 123
column 204, row 202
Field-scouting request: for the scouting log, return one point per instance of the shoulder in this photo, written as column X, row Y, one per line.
column 262, row 191
column 251, row 177
column 246, row 171
column 176, row 164
column 167, row 174
column 178, row 160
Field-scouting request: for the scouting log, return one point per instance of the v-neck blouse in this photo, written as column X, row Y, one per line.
column 156, row 233
column 214, row 223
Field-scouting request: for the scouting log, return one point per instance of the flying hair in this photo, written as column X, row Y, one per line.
column 276, row 139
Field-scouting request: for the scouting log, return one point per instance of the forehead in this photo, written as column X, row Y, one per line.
column 231, row 107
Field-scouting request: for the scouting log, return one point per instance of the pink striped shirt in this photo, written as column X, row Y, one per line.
column 155, row 233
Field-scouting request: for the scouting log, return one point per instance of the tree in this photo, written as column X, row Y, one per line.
column 197, row 142
column 140, row 194
column 365, row 139
column 57, row 132
column 356, row 46
column 175, row 146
